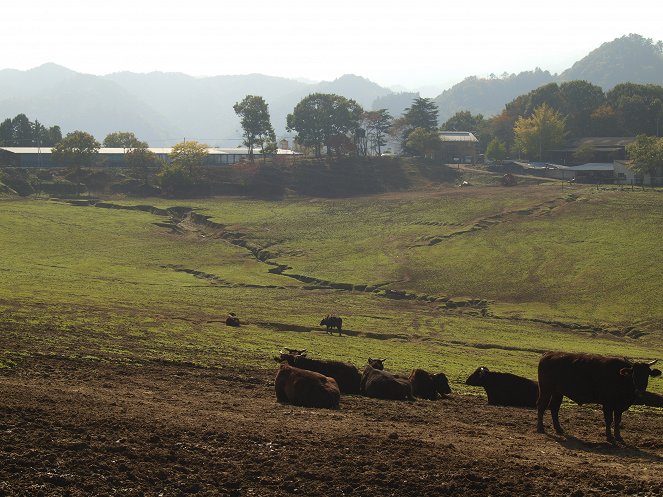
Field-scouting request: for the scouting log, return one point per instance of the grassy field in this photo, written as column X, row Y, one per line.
column 571, row 270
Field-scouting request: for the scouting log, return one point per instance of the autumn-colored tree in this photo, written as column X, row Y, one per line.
column 541, row 132
column 646, row 154
column 189, row 155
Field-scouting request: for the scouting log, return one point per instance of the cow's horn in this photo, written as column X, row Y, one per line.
column 652, row 362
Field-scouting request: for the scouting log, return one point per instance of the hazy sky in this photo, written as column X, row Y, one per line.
column 411, row 43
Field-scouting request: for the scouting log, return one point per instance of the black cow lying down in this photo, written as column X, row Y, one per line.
column 305, row 388
column 649, row 399
column 505, row 389
column 232, row 320
column 381, row 384
column 613, row 382
column 429, row 386
column 346, row 374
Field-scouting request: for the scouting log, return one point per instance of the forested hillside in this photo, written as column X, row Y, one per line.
column 164, row 108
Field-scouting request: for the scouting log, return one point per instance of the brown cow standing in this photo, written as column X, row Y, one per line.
column 305, row 388
column 613, row 382
column 429, row 386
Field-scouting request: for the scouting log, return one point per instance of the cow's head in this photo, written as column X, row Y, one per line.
column 477, row 378
column 640, row 373
column 376, row 363
column 289, row 355
column 441, row 383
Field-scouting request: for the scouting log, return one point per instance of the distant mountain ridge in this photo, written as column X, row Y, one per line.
column 164, row 108
column 630, row 58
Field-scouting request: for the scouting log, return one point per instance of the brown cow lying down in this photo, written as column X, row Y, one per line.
column 429, row 386
column 346, row 375
column 505, row 389
column 613, row 382
column 384, row 385
column 305, row 388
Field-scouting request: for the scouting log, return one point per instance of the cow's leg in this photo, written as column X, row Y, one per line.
column 607, row 415
column 281, row 395
column 555, row 404
column 541, row 406
column 618, row 422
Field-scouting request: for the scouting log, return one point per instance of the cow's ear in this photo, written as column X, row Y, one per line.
column 655, row 372
column 626, row 371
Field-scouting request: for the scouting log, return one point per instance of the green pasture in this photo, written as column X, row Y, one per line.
column 110, row 285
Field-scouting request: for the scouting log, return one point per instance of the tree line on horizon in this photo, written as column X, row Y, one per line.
column 529, row 126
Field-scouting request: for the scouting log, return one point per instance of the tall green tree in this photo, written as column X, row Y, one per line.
column 463, row 121
column 23, row 131
column 254, row 118
column 424, row 142
column 580, row 99
column 378, row 123
column 53, row 136
column 6, row 133
column 141, row 160
column 321, row 117
column 421, row 114
column 636, row 107
column 77, row 149
column 541, row 132
column 584, row 153
column 123, row 139
column 496, row 150
column 548, row 94
column 603, row 121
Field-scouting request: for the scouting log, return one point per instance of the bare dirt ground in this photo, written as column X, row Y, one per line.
column 76, row 428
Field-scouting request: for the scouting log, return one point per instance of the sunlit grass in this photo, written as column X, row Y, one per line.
column 102, row 284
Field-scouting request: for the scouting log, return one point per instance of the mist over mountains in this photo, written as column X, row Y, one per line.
column 164, row 108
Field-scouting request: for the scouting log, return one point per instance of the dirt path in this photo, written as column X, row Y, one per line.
column 82, row 428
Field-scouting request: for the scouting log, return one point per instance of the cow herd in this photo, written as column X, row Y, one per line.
column 305, row 381
column 614, row 383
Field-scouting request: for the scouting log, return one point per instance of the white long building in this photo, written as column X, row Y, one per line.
column 114, row 157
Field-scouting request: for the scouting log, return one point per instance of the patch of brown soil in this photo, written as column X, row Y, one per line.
column 80, row 428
